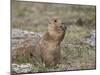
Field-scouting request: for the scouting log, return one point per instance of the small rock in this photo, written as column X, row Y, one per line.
column 91, row 40
column 22, row 68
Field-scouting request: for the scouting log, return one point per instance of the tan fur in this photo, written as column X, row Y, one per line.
column 50, row 42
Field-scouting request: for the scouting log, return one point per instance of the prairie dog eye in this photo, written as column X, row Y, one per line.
column 55, row 20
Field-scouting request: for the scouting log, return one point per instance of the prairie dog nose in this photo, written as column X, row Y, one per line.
column 63, row 27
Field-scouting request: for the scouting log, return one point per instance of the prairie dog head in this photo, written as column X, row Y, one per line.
column 56, row 25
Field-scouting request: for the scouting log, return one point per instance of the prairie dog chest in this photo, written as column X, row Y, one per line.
column 50, row 45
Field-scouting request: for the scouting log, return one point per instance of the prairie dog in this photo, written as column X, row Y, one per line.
column 50, row 42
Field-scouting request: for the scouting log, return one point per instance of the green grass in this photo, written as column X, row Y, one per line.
column 75, row 54
column 33, row 16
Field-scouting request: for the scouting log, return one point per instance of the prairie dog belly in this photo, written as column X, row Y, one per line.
column 50, row 53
